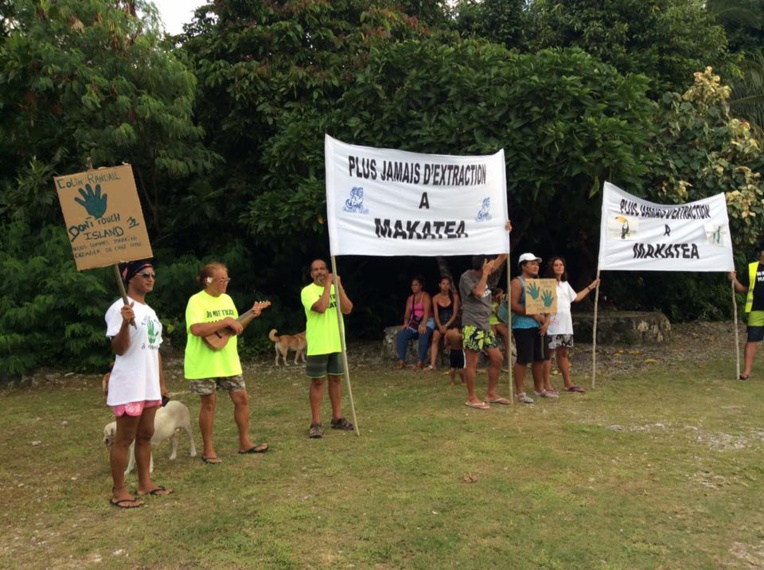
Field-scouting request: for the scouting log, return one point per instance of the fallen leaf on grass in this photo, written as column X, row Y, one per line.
column 469, row 478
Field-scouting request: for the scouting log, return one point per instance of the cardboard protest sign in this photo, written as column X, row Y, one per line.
column 540, row 296
column 103, row 217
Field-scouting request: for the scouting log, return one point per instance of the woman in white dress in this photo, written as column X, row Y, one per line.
column 560, row 329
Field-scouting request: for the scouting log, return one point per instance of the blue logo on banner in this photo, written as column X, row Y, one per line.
column 354, row 204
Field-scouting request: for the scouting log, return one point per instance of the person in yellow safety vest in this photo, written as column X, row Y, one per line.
column 753, row 284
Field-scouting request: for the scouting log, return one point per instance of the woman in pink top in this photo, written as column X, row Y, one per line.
column 417, row 323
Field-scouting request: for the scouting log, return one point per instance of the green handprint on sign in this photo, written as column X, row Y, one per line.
column 548, row 298
column 93, row 202
column 533, row 291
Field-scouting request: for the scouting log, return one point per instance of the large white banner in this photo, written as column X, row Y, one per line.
column 391, row 202
column 637, row 235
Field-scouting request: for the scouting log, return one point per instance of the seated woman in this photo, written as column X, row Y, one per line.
column 445, row 312
column 417, row 323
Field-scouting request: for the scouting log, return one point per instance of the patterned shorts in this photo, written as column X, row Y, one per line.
column 207, row 386
column 560, row 341
column 477, row 340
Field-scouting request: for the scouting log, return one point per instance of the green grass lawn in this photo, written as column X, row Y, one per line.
column 659, row 467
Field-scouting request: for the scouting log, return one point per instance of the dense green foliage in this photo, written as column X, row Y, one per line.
column 224, row 128
column 743, row 21
column 667, row 40
column 81, row 80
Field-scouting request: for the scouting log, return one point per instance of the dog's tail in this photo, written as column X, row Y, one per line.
column 273, row 336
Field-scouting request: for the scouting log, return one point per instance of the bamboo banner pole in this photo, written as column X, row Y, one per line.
column 737, row 334
column 510, row 341
column 594, row 331
column 341, row 325
column 122, row 291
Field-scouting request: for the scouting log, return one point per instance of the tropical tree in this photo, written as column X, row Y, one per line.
column 504, row 22
column 703, row 150
column 259, row 61
column 743, row 21
column 565, row 121
column 80, row 81
column 666, row 40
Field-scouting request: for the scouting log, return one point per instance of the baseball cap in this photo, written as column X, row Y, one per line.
column 527, row 257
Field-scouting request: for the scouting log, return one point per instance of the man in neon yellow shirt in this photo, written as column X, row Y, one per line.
column 324, row 345
column 752, row 283
column 212, row 312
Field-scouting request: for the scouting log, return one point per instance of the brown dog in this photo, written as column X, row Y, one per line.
column 286, row 342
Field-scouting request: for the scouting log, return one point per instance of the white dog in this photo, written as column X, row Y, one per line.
column 168, row 421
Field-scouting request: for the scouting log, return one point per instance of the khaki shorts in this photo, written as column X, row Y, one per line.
column 207, row 386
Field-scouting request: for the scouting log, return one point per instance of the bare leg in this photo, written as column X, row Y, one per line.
column 547, row 375
column 127, row 427
column 537, row 369
column 495, row 359
column 316, row 397
column 502, row 332
column 143, row 454
column 563, row 363
column 206, row 420
column 335, row 396
column 470, row 372
column 240, row 400
column 750, row 354
column 519, row 374
column 434, row 345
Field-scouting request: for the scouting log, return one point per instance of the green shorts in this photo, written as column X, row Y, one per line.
column 478, row 340
column 320, row 365
column 755, row 326
column 756, row 319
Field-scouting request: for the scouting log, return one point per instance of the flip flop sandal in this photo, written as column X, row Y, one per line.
column 257, row 448
column 503, row 401
column 158, row 492
column 122, row 503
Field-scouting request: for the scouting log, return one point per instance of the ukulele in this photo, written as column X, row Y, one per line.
column 219, row 339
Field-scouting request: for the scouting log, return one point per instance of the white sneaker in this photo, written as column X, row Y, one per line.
column 523, row 399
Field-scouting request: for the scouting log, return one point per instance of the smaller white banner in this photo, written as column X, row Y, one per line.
column 637, row 235
column 391, row 202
